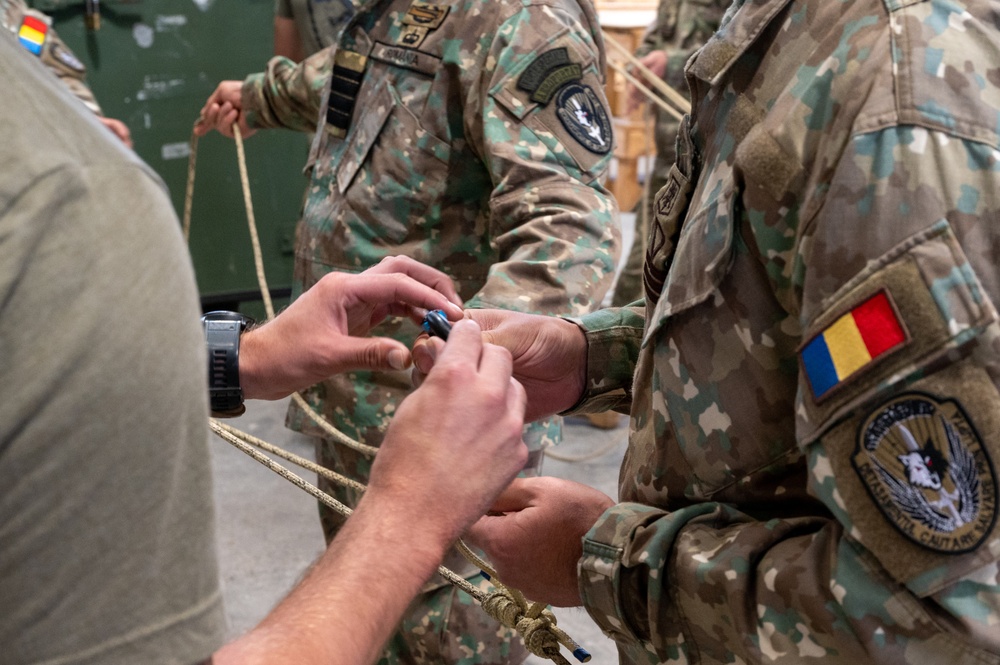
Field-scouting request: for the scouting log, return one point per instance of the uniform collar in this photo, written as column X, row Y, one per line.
column 742, row 24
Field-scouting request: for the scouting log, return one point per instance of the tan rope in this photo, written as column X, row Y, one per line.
column 189, row 192
column 653, row 97
column 672, row 95
column 536, row 625
column 258, row 259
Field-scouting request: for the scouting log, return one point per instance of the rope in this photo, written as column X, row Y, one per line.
column 672, row 95
column 258, row 259
column 653, row 97
column 535, row 624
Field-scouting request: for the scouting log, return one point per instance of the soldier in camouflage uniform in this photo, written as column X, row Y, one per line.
column 35, row 33
column 812, row 469
column 681, row 27
column 473, row 136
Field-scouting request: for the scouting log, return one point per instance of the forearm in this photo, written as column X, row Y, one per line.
column 762, row 587
column 286, row 94
column 351, row 600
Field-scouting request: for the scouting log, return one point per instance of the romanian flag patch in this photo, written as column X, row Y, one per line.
column 32, row 34
column 850, row 343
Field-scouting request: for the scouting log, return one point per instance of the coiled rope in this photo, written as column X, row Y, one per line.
column 534, row 622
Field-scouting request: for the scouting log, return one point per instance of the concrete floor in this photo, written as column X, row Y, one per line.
column 269, row 533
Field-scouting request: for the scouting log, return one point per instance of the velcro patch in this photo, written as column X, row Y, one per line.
column 925, row 466
column 854, row 341
column 32, row 34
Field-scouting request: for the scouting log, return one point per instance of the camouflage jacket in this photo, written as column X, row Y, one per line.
column 812, row 470
column 470, row 135
column 35, row 33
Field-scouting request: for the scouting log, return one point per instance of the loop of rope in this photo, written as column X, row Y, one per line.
column 536, row 625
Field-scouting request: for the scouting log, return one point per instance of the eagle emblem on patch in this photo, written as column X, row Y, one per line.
column 926, row 468
column 582, row 114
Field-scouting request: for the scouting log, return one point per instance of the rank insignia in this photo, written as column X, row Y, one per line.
column 425, row 14
column 852, row 342
column 412, row 36
column 925, row 466
column 582, row 114
column 348, row 72
column 32, row 34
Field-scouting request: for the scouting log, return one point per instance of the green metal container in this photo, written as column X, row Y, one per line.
column 152, row 64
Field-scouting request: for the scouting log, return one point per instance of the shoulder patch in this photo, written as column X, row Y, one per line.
column 925, row 466
column 32, row 33
column 583, row 115
column 856, row 339
column 67, row 57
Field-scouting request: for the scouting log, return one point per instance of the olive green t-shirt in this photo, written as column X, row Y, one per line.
column 107, row 550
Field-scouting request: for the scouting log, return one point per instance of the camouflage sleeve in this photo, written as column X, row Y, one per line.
column 613, row 339
column 900, row 444
column 286, row 94
column 35, row 33
column 539, row 122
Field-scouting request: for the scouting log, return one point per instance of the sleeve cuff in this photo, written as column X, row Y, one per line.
column 613, row 340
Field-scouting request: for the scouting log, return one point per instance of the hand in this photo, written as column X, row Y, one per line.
column 320, row 333
column 455, row 442
column 119, row 129
column 550, row 356
column 223, row 109
column 655, row 61
column 533, row 533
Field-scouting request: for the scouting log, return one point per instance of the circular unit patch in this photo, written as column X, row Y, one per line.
column 925, row 466
column 582, row 114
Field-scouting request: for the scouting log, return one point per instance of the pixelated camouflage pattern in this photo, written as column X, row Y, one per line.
column 446, row 160
column 55, row 55
column 836, row 149
column 680, row 28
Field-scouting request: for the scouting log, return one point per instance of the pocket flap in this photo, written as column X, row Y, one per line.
column 368, row 124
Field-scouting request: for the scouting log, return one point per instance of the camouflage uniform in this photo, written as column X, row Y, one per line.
column 472, row 136
column 35, row 32
column 816, row 421
column 681, row 27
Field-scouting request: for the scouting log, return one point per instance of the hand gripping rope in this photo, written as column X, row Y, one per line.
column 533, row 621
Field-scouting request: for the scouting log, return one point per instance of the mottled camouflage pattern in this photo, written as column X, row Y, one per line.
column 446, row 160
column 836, row 149
column 680, row 28
column 55, row 54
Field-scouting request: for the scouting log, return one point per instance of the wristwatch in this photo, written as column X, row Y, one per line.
column 222, row 338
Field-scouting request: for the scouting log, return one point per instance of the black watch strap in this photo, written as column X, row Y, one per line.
column 222, row 339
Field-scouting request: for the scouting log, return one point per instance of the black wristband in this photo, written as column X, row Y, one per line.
column 222, row 339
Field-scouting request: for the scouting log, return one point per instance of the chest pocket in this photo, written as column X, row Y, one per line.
column 393, row 172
